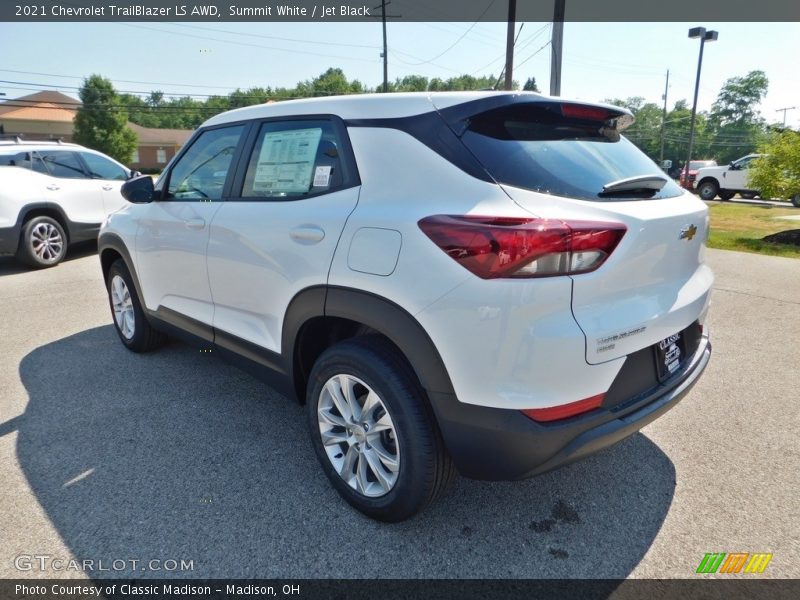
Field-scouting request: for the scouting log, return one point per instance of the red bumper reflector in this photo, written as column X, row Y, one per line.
column 554, row 413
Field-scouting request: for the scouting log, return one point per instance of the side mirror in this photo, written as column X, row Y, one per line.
column 135, row 174
column 733, row 167
column 139, row 190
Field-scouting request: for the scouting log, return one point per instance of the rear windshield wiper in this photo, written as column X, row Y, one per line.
column 639, row 183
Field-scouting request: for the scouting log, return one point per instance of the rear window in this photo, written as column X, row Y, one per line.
column 538, row 149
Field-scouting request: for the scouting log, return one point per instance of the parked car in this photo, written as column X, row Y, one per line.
column 727, row 181
column 694, row 165
column 493, row 283
column 53, row 195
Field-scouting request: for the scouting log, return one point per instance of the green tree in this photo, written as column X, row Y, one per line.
column 777, row 174
column 331, row 82
column 646, row 130
column 738, row 100
column 530, row 85
column 101, row 122
column 737, row 126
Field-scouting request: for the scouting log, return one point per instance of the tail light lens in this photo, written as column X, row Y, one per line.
column 510, row 247
column 564, row 411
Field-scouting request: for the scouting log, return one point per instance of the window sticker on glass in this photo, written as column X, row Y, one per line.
column 322, row 176
column 286, row 161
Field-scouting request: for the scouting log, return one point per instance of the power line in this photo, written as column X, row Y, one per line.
column 463, row 35
column 542, row 47
column 275, row 37
column 190, row 85
column 527, row 42
column 208, row 38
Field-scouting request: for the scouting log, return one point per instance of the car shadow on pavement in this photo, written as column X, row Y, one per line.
column 11, row 266
column 177, row 455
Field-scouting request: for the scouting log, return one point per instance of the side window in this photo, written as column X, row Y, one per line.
column 294, row 159
column 62, row 163
column 102, row 168
column 201, row 172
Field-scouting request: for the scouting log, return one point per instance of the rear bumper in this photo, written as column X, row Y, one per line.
column 501, row 444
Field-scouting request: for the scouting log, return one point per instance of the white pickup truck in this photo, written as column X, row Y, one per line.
column 726, row 181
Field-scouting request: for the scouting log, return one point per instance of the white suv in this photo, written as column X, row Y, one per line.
column 54, row 194
column 493, row 283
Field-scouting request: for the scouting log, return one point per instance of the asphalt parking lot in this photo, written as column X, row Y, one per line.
column 107, row 455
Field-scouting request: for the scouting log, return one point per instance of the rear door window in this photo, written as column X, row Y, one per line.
column 64, row 164
column 295, row 159
column 537, row 148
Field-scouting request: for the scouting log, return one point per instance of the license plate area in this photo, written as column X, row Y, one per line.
column 669, row 354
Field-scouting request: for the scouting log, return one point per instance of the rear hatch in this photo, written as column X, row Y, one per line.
column 568, row 161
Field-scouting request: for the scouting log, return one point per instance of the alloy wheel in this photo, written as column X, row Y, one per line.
column 123, row 307
column 358, row 435
column 46, row 242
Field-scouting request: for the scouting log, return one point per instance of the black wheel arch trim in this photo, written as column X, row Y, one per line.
column 374, row 311
column 75, row 232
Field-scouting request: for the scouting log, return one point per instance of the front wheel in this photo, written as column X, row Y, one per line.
column 373, row 430
column 129, row 319
column 708, row 189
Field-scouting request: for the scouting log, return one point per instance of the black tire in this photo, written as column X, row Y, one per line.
column 747, row 195
column 144, row 338
column 425, row 469
column 726, row 194
column 796, row 200
column 43, row 243
column 708, row 189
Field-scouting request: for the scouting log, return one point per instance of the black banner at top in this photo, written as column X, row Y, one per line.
column 396, row 10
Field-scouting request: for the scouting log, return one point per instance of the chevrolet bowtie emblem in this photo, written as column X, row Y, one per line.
column 688, row 232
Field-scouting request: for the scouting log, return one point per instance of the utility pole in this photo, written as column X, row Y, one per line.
column 385, row 53
column 663, row 122
column 385, row 49
column 556, row 44
column 512, row 18
column 784, row 111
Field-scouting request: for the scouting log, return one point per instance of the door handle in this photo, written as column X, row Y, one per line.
column 195, row 223
column 53, row 187
column 108, row 188
column 307, row 234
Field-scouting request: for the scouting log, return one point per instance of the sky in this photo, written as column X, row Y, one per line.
column 600, row 60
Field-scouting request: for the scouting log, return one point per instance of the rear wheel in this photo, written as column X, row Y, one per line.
column 796, row 200
column 129, row 319
column 747, row 195
column 373, row 430
column 726, row 194
column 708, row 189
column 43, row 243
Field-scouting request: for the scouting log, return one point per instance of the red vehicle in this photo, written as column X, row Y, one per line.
column 694, row 165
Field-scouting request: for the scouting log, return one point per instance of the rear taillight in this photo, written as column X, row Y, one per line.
column 495, row 247
column 554, row 413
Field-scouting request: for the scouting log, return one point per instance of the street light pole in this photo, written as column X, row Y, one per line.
column 705, row 36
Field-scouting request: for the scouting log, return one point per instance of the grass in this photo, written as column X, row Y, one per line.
column 742, row 227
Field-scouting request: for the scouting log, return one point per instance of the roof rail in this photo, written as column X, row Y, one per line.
column 15, row 137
